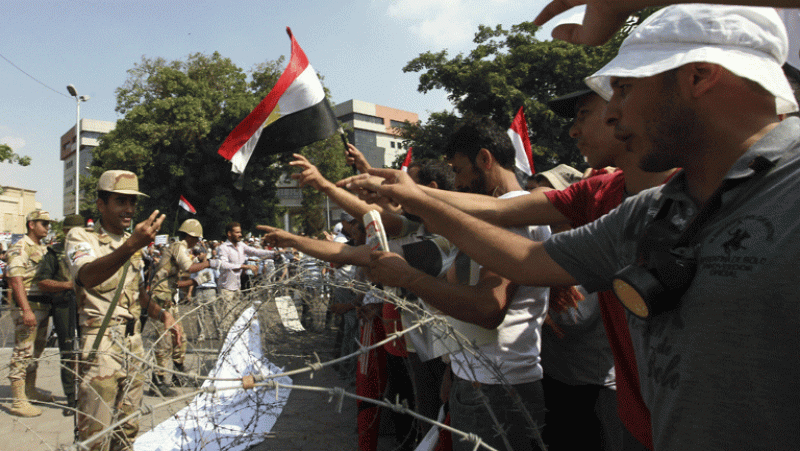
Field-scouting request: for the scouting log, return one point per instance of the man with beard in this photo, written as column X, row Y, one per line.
column 232, row 256
column 581, row 204
column 482, row 157
column 712, row 253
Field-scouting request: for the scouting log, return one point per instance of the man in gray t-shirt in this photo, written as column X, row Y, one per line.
column 698, row 87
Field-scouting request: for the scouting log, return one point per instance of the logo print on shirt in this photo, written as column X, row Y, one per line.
column 738, row 248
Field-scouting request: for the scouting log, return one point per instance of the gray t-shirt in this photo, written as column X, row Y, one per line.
column 722, row 370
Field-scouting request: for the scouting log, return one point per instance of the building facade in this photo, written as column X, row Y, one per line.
column 91, row 131
column 15, row 204
column 375, row 130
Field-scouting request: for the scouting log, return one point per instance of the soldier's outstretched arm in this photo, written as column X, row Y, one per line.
column 519, row 259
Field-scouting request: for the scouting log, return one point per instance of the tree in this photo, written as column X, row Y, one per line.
column 175, row 116
column 506, row 70
column 7, row 154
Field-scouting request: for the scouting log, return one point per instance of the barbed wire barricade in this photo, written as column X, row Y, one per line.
column 238, row 382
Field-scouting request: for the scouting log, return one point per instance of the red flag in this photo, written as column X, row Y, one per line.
column 407, row 161
column 183, row 203
column 522, row 144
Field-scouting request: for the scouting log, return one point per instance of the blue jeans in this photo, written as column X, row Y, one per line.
column 469, row 414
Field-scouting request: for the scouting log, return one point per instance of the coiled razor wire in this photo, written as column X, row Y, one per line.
column 312, row 289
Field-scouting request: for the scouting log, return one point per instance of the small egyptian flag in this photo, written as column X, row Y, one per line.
column 183, row 203
column 522, row 144
column 294, row 114
column 407, row 161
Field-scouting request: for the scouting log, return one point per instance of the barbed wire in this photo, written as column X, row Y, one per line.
column 309, row 292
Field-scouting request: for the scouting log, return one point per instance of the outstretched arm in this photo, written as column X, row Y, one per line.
column 355, row 158
column 517, row 258
column 310, row 175
column 484, row 304
column 533, row 209
column 604, row 17
column 328, row 251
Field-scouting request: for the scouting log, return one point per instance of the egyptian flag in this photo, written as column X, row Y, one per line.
column 294, row 114
column 522, row 144
column 407, row 161
column 183, row 203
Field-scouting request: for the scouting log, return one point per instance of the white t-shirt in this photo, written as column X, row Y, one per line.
column 519, row 336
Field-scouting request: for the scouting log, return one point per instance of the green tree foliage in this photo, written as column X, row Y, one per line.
column 175, row 116
column 508, row 69
column 7, row 154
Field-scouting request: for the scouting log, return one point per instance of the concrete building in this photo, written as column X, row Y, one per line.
column 15, row 204
column 91, row 131
column 375, row 130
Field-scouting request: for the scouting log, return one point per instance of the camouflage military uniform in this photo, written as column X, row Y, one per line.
column 23, row 258
column 175, row 261
column 112, row 385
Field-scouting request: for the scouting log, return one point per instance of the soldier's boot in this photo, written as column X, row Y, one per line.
column 32, row 393
column 187, row 380
column 161, row 386
column 20, row 405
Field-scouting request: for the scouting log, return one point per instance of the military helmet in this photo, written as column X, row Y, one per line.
column 71, row 221
column 191, row 227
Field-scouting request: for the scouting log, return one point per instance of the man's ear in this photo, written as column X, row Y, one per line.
column 700, row 77
column 484, row 159
column 433, row 184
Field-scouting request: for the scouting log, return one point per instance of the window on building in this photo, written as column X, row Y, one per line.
column 289, row 193
column 362, row 118
column 397, row 124
column 68, row 183
column 392, row 144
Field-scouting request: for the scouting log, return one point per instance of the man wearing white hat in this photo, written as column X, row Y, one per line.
column 705, row 264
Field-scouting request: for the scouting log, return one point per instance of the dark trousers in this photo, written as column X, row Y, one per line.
column 469, row 413
column 581, row 417
column 64, row 322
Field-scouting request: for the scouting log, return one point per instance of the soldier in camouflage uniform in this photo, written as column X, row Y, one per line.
column 111, row 375
column 53, row 279
column 30, row 317
column 176, row 263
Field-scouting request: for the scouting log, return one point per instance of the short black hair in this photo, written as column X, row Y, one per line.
column 230, row 226
column 435, row 171
column 480, row 132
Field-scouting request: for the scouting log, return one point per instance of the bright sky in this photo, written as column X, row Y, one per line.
column 359, row 46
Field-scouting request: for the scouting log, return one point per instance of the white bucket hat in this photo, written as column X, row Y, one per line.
column 751, row 42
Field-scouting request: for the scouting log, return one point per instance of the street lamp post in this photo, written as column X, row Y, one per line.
column 78, row 99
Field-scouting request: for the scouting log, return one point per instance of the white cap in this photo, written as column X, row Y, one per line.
column 750, row 42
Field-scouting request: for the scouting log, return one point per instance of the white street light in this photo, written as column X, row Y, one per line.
column 78, row 99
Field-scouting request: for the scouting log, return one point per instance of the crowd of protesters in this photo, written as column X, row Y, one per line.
column 646, row 303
